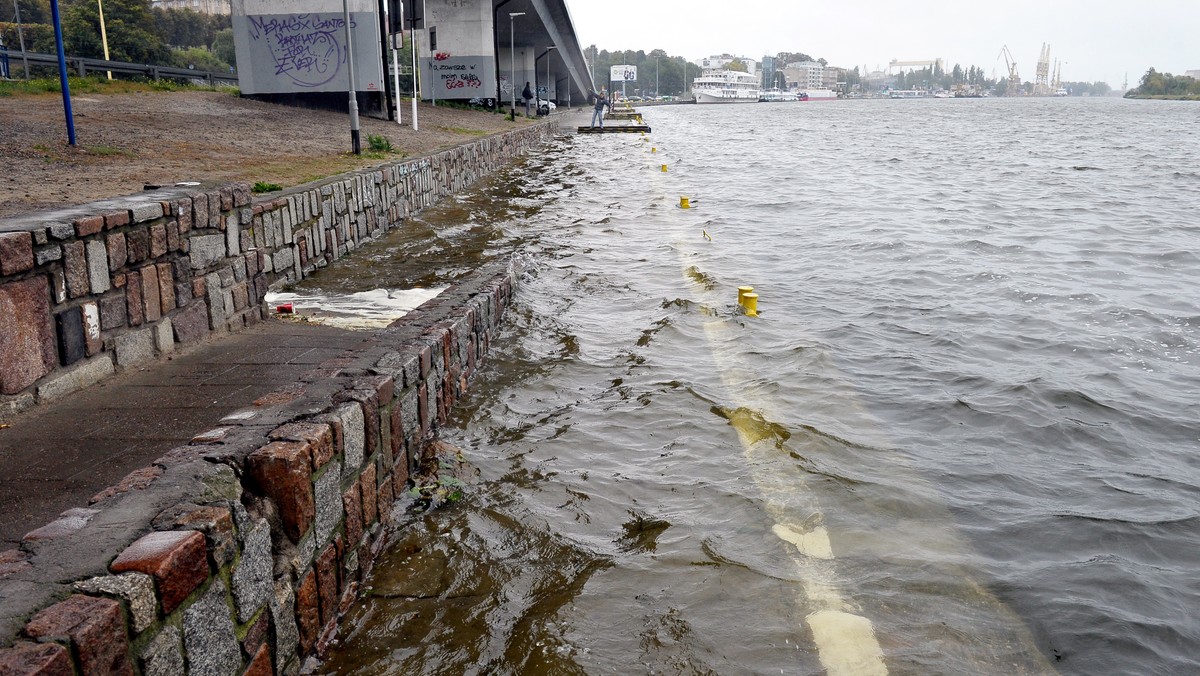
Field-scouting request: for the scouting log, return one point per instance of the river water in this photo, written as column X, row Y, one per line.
column 961, row 437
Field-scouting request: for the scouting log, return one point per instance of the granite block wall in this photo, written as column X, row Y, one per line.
column 88, row 290
column 237, row 553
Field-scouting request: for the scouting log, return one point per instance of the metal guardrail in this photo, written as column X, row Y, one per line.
column 82, row 66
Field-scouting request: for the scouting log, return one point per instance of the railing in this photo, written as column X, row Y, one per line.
column 83, row 66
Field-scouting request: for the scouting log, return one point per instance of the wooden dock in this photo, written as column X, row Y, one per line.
column 613, row 129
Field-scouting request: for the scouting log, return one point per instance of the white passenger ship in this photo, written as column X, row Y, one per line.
column 725, row 86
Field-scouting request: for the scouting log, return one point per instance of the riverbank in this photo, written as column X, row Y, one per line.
column 128, row 139
column 233, row 540
column 1165, row 98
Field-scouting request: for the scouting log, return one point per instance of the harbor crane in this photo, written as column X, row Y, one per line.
column 1041, row 83
column 1014, row 78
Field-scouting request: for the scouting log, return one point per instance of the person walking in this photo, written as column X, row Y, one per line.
column 528, row 96
column 598, row 111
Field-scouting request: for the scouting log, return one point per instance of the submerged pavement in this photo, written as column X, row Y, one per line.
column 60, row 455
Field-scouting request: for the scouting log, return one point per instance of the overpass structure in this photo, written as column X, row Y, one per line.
column 509, row 43
column 483, row 50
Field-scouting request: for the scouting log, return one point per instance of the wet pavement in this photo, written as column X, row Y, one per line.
column 59, row 455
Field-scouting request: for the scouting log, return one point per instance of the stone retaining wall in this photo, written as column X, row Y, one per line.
column 88, row 290
column 237, row 553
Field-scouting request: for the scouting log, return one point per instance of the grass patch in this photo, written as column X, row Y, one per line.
column 105, row 151
column 261, row 187
column 95, row 84
column 377, row 143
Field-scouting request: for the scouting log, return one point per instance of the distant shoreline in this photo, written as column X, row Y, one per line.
column 1162, row 97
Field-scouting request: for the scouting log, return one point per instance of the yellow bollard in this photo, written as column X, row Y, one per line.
column 742, row 291
column 654, row 150
column 751, row 304
column 685, row 203
column 664, row 168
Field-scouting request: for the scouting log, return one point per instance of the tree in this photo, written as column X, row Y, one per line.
column 737, row 65
column 32, row 11
column 127, row 24
column 223, row 46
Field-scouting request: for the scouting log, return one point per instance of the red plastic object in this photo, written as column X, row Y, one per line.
column 285, row 309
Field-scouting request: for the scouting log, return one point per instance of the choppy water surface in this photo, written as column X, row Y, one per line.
column 963, row 435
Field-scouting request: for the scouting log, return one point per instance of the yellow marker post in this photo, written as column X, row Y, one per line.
column 742, row 291
column 751, row 304
column 685, row 203
column 654, row 150
column 664, row 168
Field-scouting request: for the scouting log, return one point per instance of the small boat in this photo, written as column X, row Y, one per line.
column 908, row 94
column 816, row 95
column 775, row 96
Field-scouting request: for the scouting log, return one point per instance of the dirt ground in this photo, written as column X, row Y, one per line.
column 126, row 141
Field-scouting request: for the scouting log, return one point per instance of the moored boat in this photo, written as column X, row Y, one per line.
column 776, row 96
column 725, row 86
column 816, row 95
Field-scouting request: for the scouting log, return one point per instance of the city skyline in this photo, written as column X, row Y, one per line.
column 1094, row 41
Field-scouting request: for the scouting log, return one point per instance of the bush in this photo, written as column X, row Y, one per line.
column 200, row 58
column 379, row 144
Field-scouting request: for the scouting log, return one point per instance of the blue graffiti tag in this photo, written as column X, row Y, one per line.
column 305, row 47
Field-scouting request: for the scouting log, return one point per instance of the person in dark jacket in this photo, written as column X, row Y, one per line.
column 528, row 96
column 598, row 111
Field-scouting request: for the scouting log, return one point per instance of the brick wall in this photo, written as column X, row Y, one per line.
column 237, row 553
column 88, row 290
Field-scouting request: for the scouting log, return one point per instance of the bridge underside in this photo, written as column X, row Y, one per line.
column 473, row 49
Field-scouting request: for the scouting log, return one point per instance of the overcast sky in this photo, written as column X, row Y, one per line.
column 1095, row 39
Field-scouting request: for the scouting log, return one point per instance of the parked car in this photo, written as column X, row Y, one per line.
column 545, row 107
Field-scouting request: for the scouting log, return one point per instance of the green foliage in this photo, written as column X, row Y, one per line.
column 129, row 27
column 1166, row 85
column 185, row 28
column 738, row 65
column 222, row 46
column 675, row 74
column 38, row 37
column 260, row 187
column 378, row 143
column 199, row 58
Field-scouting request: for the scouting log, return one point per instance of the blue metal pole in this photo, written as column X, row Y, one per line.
column 62, row 72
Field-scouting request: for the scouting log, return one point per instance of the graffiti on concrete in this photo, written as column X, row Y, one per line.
column 307, row 48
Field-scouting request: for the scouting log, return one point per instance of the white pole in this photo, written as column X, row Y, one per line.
column 512, row 59
column 395, row 57
column 355, row 141
column 412, row 43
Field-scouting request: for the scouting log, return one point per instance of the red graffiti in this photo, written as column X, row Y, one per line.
column 441, row 56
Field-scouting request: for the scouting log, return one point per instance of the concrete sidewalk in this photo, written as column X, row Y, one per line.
column 59, row 455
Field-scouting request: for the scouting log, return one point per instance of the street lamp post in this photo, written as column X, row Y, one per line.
column 355, row 140
column 21, row 37
column 548, row 77
column 512, row 60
